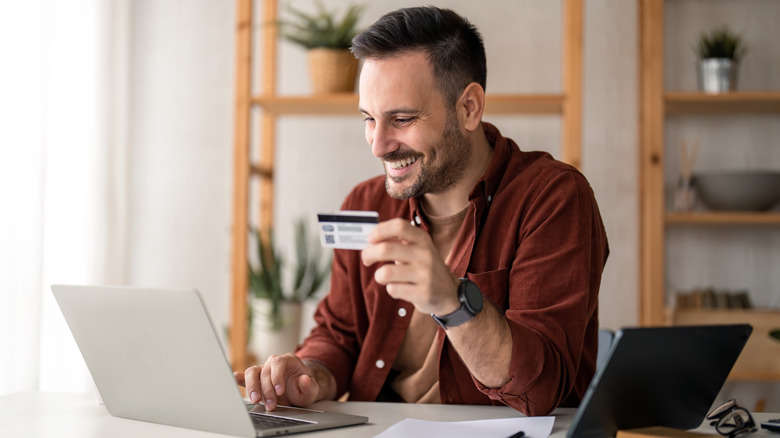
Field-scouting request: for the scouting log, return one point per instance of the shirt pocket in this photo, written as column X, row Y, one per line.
column 494, row 286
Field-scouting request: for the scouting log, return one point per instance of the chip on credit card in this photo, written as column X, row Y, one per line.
column 346, row 229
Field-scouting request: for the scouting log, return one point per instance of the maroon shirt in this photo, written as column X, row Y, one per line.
column 534, row 243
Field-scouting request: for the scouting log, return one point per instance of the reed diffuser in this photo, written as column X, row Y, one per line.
column 684, row 195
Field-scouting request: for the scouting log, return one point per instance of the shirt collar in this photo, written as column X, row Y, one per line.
column 487, row 186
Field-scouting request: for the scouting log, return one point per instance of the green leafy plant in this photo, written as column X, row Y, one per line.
column 775, row 333
column 266, row 279
column 721, row 43
column 321, row 29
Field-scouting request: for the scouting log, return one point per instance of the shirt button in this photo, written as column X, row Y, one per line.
column 380, row 363
column 490, row 198
column 401, row 312
column 417, row 219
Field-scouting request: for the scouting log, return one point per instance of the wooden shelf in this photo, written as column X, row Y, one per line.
column 760, row 360
column 726, row 103
column 723, row 218
column 335, row 104
column 347, row 104
column 533, row 104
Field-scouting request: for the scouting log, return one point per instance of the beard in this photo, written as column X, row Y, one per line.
column 440, row 169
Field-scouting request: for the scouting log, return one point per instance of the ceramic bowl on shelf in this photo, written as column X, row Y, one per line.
column 738, row 190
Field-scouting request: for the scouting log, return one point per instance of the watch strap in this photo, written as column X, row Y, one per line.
column 459, row 316
column 453, row 319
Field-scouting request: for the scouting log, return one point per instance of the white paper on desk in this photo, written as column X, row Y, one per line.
column 534, row 427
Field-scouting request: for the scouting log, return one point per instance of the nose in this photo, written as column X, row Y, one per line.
column 380, row 138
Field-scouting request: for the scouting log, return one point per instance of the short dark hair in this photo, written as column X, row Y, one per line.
column 454, row 46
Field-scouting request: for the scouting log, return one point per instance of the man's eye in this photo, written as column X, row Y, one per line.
column 404, row 121
column 368, row 119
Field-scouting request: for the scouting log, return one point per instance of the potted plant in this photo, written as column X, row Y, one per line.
column 719, row 53
column 332, row 67
column 275, row 304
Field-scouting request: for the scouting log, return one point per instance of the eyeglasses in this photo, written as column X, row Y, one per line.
column 731, row 419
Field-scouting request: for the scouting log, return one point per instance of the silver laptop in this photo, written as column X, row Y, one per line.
column 154, row 356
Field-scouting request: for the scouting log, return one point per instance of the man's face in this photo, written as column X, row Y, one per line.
column 410, row 128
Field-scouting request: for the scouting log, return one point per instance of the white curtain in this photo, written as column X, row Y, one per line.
column 62, row 178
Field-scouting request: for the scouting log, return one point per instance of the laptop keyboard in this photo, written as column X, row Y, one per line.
column 265, row 421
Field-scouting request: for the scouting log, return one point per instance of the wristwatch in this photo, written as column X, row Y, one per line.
column 471, row 304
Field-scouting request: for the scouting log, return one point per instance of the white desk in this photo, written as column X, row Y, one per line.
column 39, row 415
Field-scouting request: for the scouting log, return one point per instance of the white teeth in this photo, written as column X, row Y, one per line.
column 395, row 165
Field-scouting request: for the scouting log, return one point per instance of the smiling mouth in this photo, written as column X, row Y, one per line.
column 400, row 164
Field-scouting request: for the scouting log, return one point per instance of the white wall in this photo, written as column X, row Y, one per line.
column 611, row 149
column 180, row 148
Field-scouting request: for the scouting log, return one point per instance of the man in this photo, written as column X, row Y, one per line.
column 480, row 283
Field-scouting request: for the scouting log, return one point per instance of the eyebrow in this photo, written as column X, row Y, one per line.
column 393, row 112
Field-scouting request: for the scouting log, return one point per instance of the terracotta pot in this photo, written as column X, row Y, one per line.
column 332, row 71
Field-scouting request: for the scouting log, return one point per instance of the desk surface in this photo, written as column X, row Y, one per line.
column 39, row 415
column 34, row 415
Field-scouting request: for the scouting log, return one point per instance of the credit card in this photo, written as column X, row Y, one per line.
column 346, row 229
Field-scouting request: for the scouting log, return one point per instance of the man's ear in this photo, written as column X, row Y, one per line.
column 470, row 106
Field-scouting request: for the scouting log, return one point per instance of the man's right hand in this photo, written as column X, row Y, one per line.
column 287, row 380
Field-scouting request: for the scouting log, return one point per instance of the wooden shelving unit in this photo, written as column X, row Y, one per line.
column 722, row 218
column 567, row 105
column 740, row 102
column 761, row 357
column 347, row 103
column 730, row 103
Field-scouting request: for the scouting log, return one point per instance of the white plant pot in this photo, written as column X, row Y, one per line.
column 307, row 317
column 717, row 75
column 264, row 340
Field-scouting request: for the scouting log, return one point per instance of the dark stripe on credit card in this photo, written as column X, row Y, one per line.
column 347, row 218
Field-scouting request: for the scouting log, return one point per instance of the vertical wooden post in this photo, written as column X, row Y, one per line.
column 268, row 121
column 238, row 312
column 651, row 143
column 571, row 117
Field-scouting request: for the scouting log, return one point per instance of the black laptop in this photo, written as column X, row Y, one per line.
column 659, row 376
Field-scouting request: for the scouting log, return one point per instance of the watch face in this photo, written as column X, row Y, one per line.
column 473, row 297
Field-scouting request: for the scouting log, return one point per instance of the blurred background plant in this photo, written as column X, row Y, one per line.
column 722, row 43
column 321, row 29
column 266, row 278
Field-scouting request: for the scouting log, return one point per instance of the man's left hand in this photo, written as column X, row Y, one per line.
column 413, row 270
